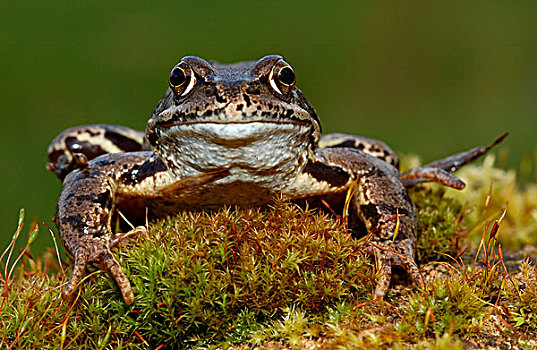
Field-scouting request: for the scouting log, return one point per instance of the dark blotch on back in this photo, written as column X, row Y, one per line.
column 289, row 113
column 105, row 199
column 55, row 155
column 125, row 143
column 333, row 175
column 152, row 137
column 370, row 211
column 247, row 100
column 219, row 98
column 348, row 143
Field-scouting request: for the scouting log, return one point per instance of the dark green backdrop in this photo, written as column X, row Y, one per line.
column 428, row 77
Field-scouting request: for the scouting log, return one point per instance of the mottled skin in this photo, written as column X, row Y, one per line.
column 232, row 134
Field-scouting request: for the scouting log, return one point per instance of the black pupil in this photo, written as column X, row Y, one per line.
column 286, row 76
column 177, row 77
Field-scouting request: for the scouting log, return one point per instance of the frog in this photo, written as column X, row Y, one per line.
column 234, row 134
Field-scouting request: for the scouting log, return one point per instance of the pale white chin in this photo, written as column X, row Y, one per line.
column 257, row 152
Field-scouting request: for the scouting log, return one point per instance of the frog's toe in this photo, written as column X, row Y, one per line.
column 79, row 271
column 398, row 255
column 110, row 263
column 429, row 174
column 404, row 258
column 103, row 256
column 121, row 238
column 384, row 274
column 384, row 277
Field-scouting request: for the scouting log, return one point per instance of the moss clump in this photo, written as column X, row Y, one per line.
column 452, row 305
column 524, row 292
column 206, row 278
column 439, row 229
column 489, row 192
column 217, row 275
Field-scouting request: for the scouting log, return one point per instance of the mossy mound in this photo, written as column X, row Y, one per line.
column 279, row 277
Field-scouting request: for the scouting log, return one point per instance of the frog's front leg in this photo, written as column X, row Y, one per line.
column 381, row 202
column 86, row 204
column 90, row 195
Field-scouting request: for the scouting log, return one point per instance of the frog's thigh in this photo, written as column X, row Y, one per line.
column 373, row 147
column 83, row 217
column 72, row 148
column 97, row 139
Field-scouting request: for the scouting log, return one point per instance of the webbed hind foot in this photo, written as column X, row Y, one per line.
column 439, row 171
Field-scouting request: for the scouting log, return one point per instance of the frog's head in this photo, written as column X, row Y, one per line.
column 234, row 107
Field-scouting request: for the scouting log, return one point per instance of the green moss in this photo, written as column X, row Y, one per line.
column 452, row 304
column 524, row 312
column 489, row 192
column 439, row 229
column 212, row 277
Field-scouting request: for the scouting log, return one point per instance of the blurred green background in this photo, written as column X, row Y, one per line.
column 427, row 77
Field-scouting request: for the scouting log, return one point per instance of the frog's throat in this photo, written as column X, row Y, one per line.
column 259, row 150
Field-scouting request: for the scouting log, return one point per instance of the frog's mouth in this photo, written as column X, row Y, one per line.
column 236, row 133
column 234, row 122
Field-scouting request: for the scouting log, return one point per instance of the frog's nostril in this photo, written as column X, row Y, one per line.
column 253, row 90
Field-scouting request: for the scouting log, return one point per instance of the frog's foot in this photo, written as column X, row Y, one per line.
column 440, row 171
column 67, row 162
column 101, row 254
column 399, row 254
column 428, row 174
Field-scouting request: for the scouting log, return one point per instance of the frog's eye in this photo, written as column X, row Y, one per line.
column 286, row 76
column 282, row 78
column 182, row 79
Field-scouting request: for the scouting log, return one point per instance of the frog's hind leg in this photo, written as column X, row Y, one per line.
column 440, row 171
column 74, row 147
